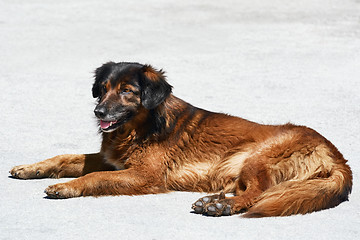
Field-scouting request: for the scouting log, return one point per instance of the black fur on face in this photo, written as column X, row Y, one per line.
column 101, row 74
column 154, row 87
column 148, row 89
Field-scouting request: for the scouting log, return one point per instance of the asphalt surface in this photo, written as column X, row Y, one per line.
column 272, row 62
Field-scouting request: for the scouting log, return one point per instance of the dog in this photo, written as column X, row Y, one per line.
column 154, row 142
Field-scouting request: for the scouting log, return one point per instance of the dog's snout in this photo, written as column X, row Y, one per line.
column 100, row 111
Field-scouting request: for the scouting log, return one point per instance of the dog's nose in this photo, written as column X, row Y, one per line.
column 100, row 111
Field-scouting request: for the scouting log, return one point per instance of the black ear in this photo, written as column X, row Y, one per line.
column 154, row 88
column 101, row 74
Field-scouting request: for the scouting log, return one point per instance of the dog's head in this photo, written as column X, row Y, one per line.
column 126, row 89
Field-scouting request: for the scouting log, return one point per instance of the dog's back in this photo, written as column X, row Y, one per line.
column 292, row 169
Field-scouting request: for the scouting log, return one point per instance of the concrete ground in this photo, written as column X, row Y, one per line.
column 271, row 61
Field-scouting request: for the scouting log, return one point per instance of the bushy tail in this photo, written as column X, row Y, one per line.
column 305, row 196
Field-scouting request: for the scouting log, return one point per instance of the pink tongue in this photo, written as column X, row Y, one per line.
column 105, row 124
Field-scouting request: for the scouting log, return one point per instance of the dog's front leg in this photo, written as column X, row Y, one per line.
column 123, row 182
column 68, row 165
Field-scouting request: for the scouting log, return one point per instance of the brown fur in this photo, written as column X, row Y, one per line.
column 272, row 170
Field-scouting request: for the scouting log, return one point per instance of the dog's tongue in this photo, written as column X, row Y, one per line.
column 105, row 124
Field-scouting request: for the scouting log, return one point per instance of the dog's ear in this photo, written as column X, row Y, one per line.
column 101, row 73
column 154, row 87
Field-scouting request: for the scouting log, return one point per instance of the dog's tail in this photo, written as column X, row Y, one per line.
column 304, row 196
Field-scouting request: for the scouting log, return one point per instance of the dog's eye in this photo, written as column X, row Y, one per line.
column 125, row 91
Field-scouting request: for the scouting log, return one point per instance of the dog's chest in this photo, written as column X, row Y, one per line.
column 117, row 151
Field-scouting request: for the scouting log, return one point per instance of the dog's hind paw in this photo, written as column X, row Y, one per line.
column 220, row 208
column 214, row 205
column 199, row 205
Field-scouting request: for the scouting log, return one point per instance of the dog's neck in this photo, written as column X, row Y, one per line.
column 165, row 117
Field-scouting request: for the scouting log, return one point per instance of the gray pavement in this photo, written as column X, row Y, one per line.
column 273, row 62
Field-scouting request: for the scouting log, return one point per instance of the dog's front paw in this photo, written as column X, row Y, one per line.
column 62, row 190
column 27, row 171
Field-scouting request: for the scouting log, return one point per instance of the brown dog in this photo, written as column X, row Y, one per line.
column 154, row 142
